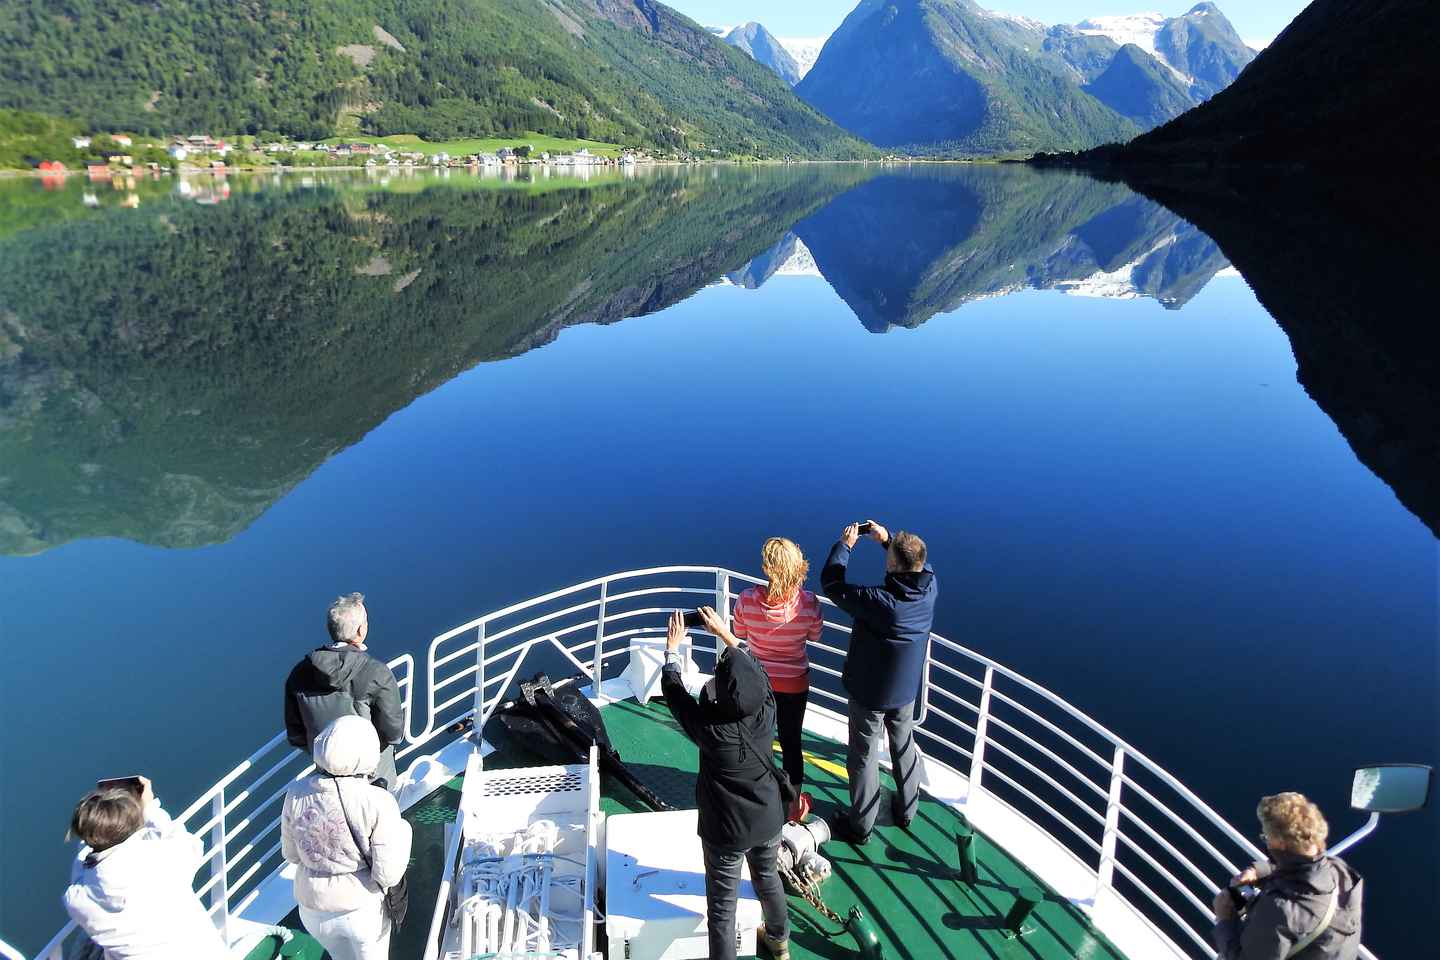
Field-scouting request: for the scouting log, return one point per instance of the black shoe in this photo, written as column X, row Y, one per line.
column 841, row 829
column 902, row 822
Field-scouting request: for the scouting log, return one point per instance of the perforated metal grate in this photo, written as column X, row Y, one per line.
column 545, row 783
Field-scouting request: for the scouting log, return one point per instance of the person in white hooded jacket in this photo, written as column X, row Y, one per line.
column 341, row 900
column 130, row 888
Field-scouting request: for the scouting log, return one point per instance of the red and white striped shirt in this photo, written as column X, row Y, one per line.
column 777, row 635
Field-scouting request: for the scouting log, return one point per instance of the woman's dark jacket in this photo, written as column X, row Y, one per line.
column 1295, row 892
column 890, row 637
column 741, row 795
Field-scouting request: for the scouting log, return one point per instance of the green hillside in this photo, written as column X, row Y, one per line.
column 1140, row 88
column 622, row 71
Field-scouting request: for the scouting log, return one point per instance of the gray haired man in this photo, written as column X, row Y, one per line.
column 341, row 679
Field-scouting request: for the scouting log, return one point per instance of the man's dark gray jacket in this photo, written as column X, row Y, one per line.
column 341, row 680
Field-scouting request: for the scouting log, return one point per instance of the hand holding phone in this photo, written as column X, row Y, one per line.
column 865, row 529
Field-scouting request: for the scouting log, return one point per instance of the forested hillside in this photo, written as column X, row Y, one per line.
column 627, row 71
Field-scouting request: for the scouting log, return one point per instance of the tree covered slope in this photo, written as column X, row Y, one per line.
column 631, row 71
column 1138, row 87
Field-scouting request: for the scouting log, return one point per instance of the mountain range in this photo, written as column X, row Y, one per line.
column 1342, row 85
column 765, row 48
column 626, row 71
column 948, row 76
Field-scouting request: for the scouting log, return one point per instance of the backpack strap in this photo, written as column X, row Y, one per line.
column 355, row 836
column 1304, row 942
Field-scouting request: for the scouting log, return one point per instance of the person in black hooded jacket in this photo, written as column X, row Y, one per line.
column 341, row 680
column 740, row 793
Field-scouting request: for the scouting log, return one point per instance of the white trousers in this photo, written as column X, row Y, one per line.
column 362, row 934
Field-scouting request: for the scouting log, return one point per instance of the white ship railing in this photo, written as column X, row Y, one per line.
column 1143, row 834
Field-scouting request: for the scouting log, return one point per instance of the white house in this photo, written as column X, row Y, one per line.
column 80, row 142
column 121, row 139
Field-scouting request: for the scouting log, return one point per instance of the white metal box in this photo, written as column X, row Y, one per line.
column 510, row 800
column 655, row 890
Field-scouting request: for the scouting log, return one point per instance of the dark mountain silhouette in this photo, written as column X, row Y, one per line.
column 1348, row 82
column 1346, row 274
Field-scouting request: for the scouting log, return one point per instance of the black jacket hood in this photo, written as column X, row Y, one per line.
column 739, row 689
column 336, row 666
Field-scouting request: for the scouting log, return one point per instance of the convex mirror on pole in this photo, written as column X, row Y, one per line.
column 1386, row 788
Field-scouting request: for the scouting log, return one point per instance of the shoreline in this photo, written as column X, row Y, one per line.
column 32, row 173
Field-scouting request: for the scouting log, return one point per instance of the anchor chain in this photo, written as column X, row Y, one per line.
column 809, row 890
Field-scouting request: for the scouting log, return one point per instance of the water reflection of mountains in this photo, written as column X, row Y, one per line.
column 167, row 373
column 900, row 249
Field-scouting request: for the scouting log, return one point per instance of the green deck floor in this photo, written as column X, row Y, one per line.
column 904, row 881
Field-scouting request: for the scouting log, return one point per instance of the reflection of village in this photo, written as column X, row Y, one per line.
column 207, row 186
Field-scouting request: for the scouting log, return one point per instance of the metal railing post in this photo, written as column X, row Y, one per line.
column 924, row 690
column 597, row 671
column 220, row 892
column 722, row 607
column 1106, row 870
column 479, row 679
column 982, row 724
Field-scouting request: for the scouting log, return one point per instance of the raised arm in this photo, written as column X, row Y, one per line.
column 851, row 598
column 682, row 706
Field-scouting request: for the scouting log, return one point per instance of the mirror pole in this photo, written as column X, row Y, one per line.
column 1355, row 837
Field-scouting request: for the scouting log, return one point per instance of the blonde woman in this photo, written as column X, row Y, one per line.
column 777, row 620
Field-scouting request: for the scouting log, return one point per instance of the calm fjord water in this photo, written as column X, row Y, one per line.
column 217, row 415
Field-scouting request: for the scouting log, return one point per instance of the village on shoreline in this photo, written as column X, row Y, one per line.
column 103, row 156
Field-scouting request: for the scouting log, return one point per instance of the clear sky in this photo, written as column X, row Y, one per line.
column 1256, row 20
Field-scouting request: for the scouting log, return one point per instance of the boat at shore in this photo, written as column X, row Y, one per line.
column 1081, row 844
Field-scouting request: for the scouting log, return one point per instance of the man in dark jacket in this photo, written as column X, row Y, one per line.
column 740, row 793
column 1308, row 905
column 340, row 680
column 889, row 642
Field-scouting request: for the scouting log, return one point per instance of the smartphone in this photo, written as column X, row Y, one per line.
column 865, row 528
column 693, row 621
column 132, row 784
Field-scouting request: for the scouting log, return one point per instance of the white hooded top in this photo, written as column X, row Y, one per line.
column 314, row 835
column 135, row 899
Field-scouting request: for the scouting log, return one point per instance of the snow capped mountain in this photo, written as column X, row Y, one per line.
column 801, row 263
column 1137, row 28
column 1029, row 22
column 805, row 50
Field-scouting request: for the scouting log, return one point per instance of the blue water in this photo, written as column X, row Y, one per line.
column 1133, row 504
